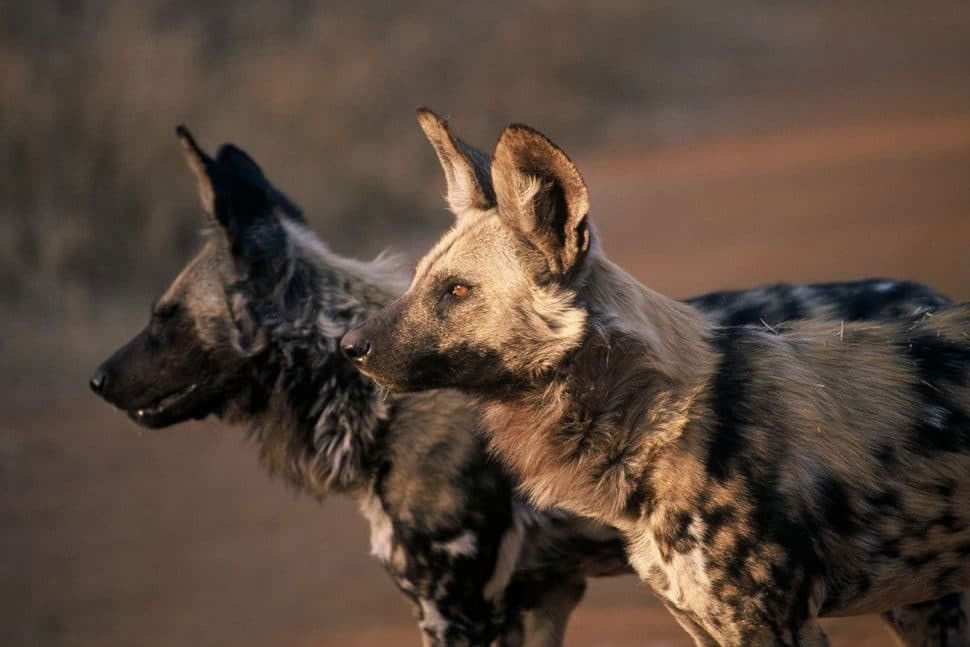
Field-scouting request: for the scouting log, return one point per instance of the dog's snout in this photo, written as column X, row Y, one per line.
column 99, row 380
column 354, row 346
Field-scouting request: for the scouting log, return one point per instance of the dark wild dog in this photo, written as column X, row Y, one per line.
column 762, row 476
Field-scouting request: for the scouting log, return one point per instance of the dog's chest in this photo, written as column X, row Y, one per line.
column 381, row 528
column 678, row 573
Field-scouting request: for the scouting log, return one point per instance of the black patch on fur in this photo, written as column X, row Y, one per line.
column 853, row 301
column 886, row 501
column 943, row 583
column 837, row 512
column 729, row 402
column 715, row 517
column 946, row 488
column 941, row 425
column 792, row 310
column 673, row 535
column 949, row 522
column 870, row 299
column 938, row 360
column 744, row 316
column 786, row 597
column 921, row 559
column 773, row 305
column 867, row 304
column 950, row 434
column 641, row 500
column 475, row 368
column 886, row 455
column 890, row 548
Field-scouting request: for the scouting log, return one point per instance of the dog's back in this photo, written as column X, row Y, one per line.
column 865, row 300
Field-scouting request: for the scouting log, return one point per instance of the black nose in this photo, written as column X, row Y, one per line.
column 355, row 348
column 99, row 380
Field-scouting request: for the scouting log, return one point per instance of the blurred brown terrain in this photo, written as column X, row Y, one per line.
column 726, row 144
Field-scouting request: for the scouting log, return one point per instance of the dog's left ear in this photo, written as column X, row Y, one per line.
column 201, row 165
column 236, row 194
column 466, row 168
column 203, row 168
column 542, row 196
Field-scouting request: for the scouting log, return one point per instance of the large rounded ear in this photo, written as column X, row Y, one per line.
column 202, row 167
column 466, row 169
column 237, row 195
column 542, row 196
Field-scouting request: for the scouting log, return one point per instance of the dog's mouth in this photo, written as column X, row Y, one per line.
column 381, row 380
column 167, row 409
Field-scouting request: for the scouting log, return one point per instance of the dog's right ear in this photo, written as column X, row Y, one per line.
column 542, row 196
column 467, row 170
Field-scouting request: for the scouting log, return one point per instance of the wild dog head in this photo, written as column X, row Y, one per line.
column 192, row 356
column 493, row 303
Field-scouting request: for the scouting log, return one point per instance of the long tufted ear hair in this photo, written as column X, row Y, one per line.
column 542, row 196
column 236, row 194
column 469, row 184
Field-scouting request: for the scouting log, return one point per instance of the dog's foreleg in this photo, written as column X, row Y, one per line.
column 697, row 632
column 808, row 634
column 447, row 624
column 539, row 610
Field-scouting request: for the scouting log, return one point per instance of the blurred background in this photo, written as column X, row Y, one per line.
column 726, row 144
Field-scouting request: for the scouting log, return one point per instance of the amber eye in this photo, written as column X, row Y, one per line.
column 459, row 290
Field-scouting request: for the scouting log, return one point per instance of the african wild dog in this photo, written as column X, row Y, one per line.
column 762, row 476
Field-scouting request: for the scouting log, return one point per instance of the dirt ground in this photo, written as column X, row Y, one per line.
column 178, row 538
column 115, row 537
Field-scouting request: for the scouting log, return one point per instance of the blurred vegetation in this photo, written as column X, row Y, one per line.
column 94, row 202
column 97, row 210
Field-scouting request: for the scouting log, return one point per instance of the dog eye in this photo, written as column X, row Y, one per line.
column 454, row 291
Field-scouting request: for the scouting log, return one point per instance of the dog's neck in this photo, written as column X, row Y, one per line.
column 583, row 435
column 319, row 423
column 672, row 335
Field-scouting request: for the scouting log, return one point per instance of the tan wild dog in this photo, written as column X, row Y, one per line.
column 763, row 476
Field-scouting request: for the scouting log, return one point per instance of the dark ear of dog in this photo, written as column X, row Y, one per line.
column 236, row 194
column 542, row 196
column 466, row 168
